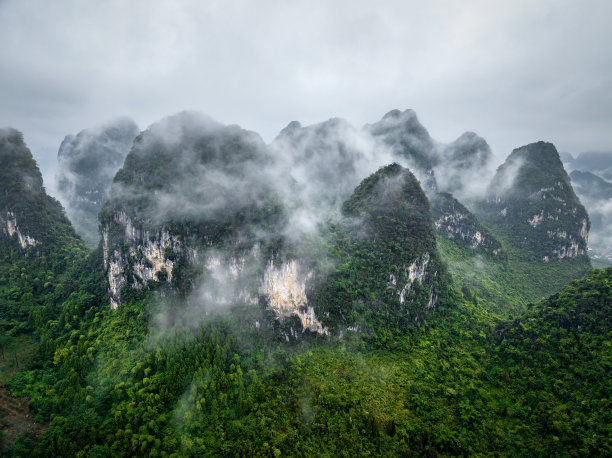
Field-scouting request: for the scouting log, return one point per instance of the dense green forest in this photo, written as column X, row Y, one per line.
column 111, row 384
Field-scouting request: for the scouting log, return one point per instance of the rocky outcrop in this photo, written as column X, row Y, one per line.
column 457, row 223
column 411, row 275
column 285, row 290
column 11, row 229
column 388, row 267
column 148, row 256
column 188, row 184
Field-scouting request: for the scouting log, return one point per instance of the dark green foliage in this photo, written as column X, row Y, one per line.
column 386, row 230
column 531, row 195
column 32, row 273
column 456, row 386
column 556, row 362
column 24, row 200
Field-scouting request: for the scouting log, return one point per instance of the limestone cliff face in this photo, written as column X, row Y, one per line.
column 193, row 204
column 410, row 276
column 11, row 229
column 457, row 223
column 147, row 256
column 143, row 257
column 196, row 203
column 285, row 290
column 184, row 187
column 531, row 195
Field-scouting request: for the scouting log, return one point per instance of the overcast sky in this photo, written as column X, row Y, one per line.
column 513, row 71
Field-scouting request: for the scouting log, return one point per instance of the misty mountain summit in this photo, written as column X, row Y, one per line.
column 197, row 196
column 87, row 164
column 408, row 139
column 187, row 184
column 463, row 165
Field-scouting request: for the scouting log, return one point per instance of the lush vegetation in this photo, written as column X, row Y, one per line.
column 111, row 383
column 386, row 227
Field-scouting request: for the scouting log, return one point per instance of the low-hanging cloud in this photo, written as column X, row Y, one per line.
column 87, row 164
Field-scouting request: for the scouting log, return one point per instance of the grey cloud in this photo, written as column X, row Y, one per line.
column 515, row 72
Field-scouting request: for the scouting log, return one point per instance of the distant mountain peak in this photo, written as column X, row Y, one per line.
column 290, row 128
column 87, row 163
column 532, row 195
column 408, row 114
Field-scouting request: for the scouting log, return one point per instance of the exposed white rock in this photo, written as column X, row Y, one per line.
column 416, row 272
column 433, row 298
column 148, row 254
column 536, row 219
column 116, row 279
column 477, row 239
column 457, row 226
column 569, row 251
column 557, row 234
column 285, row 290
column 12, row 229
column 584, row 230
column 105, row 245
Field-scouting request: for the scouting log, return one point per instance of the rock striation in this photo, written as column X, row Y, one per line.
column 455, row 222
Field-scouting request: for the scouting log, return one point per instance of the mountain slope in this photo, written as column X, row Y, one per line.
column 555, row 360
column 29, row 217
column 244, row 324
column 455, row 222
column 532, row 196
column 189, row 184
column 38, row 247
column 388, row 272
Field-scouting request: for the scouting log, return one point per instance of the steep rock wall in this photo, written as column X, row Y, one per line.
column 285, row 290
column 12, row 229
column 144, row 257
